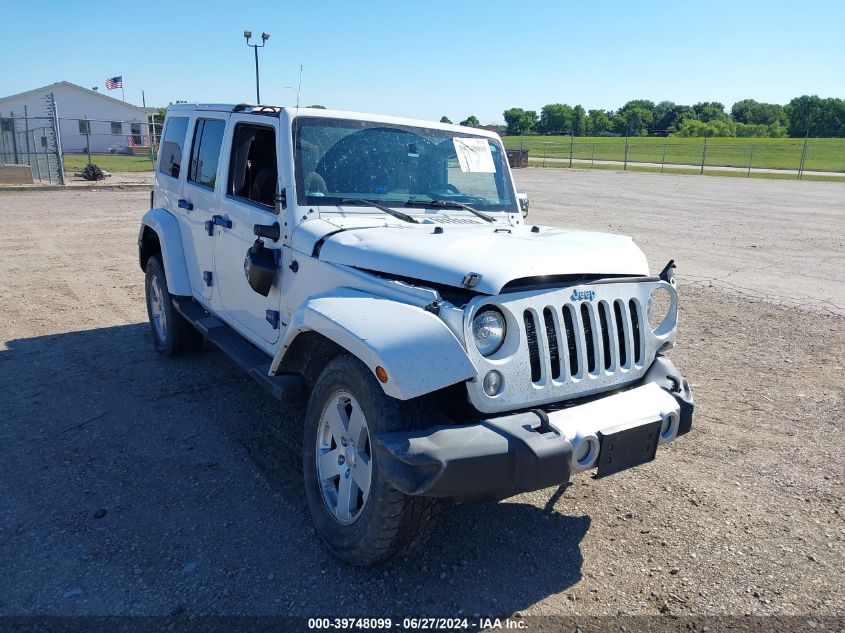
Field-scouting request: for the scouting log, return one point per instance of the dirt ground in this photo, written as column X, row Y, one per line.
column 130, row 484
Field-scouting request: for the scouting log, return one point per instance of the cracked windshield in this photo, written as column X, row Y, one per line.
column 341, row 161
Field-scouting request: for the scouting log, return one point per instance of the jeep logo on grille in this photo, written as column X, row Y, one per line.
column 582, row 295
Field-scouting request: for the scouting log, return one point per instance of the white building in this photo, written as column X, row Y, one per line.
column 111, row 123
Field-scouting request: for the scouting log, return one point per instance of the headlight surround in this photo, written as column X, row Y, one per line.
column 488, row 331
column 659, row 307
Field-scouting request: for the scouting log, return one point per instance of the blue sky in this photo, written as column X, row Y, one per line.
column 426, row 59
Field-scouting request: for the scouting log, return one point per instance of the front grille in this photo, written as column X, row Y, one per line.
column 592, row 338
column 567, row 343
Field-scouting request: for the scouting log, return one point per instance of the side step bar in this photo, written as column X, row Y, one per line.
column 254, row 361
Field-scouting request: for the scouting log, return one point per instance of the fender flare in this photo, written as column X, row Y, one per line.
column 416, row 349
column 166, row 227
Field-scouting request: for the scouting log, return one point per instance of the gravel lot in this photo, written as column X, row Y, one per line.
column 130, row 484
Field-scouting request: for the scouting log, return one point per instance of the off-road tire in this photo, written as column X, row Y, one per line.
column 390, row 521
column 180, row 337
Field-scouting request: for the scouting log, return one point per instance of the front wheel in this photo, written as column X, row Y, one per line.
column 358, row 514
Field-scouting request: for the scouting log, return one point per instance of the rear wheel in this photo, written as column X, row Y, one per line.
column 358, row 514
column 172, row 334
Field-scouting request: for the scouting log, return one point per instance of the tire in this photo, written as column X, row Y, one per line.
column 374, row 524
column 172, row 334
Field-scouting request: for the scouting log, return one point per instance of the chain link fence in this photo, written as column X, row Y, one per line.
column 34, row 141
column 57, row 149
column 788, row 157
column 101, row 137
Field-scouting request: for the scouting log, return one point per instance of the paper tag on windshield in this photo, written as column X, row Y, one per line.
column 474, row 155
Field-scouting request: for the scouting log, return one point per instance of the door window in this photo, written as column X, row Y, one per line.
column 205, row 152
column 170, row 153
column 252, row 166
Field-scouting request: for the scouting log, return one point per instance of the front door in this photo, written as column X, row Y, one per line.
column 248, row 199
column 199, row 199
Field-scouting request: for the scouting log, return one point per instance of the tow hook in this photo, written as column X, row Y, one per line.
column 544, row 420
column 676, row 384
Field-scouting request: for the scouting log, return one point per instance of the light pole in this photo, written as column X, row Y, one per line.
column 255, row 47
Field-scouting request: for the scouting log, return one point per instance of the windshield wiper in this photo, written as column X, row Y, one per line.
column 386, row 209
column 452, row 203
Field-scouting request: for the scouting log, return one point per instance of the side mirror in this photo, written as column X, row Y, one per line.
column 260, row 268
column 523, row 203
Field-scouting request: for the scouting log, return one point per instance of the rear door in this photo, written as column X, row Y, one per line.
column 251, row 181
column 200, row 195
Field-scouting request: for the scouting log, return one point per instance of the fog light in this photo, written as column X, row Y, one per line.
column 492, row 383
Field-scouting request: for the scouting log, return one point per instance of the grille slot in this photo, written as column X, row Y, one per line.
column 587, row 323
column 605, row 336
column 571, row 344
column 620, row 333
column 533, row 345
column 635, row 330
column 551, row 336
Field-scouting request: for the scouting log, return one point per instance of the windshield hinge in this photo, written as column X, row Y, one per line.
column 471, row 280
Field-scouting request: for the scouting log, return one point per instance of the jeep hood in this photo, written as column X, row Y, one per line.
column 498, row 253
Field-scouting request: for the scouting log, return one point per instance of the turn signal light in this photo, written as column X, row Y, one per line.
column 381, row 373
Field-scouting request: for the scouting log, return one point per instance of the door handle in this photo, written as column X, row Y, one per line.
column 217, row 220
column 184, row 204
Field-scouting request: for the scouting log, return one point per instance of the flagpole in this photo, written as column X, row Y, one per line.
column 122, row 90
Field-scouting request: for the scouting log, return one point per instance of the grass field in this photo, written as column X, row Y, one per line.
column 690, row 171
column 108, row 162
column 823, row 154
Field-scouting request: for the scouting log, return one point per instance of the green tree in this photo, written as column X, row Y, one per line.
column 579, row 121
column 635, row 117
column 757, row 113
column 599, row 123
column 810, row 114
column 471, row 121
column 520, row 121
column 707, row 111
column 556, row 117
column 694, row 127
column 668, row 116
column 445, row 119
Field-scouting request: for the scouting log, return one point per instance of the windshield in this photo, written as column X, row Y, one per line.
column 346, row 160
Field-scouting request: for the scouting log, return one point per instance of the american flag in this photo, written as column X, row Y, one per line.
column 114, row 82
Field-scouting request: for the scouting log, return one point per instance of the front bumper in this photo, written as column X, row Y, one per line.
column 503, row 456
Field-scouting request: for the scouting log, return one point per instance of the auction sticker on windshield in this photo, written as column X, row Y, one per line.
column 474, row 155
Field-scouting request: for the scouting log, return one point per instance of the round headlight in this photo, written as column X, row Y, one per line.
column 488, row 331
column 659, row 304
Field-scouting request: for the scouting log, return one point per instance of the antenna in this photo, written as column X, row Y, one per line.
column 299, row 87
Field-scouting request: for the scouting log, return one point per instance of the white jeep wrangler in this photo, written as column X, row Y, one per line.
column 383, row 266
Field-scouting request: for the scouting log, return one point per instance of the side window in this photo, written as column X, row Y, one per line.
column 116, row 127
column 205, row 151
column 252, row 166
column 170, row 152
